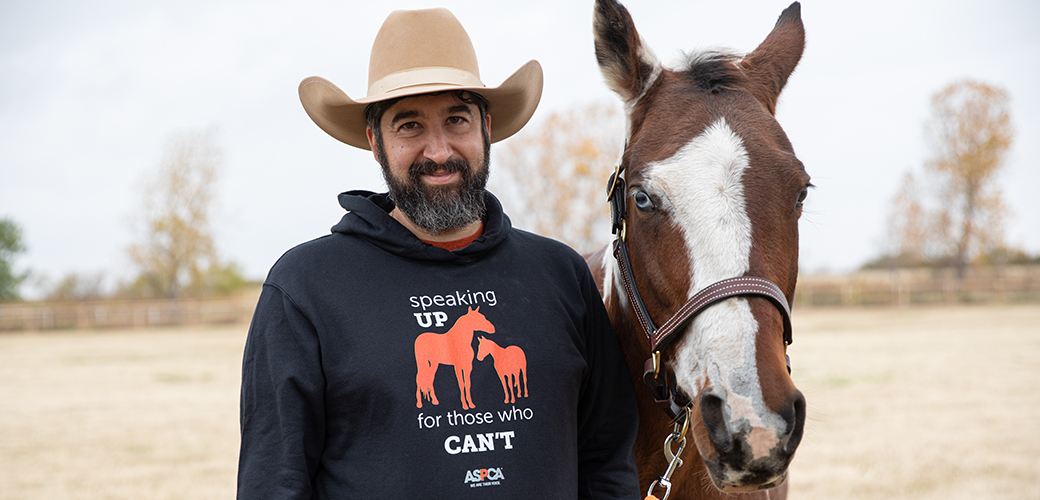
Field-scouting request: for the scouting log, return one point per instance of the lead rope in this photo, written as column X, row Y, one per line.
column 678, row 436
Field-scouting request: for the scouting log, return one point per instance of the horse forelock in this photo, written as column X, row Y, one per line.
column 681, row 98
column 712, row 70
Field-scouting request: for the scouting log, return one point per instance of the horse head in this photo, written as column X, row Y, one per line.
column 474, row 321
column 713, row 191
column 483, row 348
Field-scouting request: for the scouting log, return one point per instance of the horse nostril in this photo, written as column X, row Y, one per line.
column 794, row 416
column 712, row 412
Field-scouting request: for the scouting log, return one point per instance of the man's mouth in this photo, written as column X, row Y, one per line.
column 440, row 177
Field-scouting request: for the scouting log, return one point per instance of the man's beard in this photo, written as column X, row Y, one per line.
column 439, row 209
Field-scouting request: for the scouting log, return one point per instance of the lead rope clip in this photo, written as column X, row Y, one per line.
column 678, row 436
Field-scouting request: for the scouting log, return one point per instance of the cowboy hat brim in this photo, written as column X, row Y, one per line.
column 511, row 104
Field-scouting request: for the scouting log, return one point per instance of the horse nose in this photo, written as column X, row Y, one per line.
column 794, row 417
column 713, row 414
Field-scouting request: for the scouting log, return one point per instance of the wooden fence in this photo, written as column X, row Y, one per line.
column 899, row 287
column 31, row 316
column 1005, row 284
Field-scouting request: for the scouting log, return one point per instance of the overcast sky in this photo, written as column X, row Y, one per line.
column 90, row 91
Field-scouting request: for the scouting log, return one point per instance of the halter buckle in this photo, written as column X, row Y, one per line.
column 616, row 200
column 613, row 181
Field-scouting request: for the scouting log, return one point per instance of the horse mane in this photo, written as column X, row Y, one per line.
column 712, row 70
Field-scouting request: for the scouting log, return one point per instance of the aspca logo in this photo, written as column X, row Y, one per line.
column 484, row 477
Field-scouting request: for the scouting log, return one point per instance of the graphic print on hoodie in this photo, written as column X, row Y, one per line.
column 379, row 364
column 455, row 349
column 454, row 355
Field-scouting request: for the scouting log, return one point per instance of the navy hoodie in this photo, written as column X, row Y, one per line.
column 380, row 366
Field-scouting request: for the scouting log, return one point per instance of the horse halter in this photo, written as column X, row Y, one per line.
column 663, row 390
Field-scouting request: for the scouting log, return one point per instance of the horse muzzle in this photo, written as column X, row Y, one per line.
column 744, row 452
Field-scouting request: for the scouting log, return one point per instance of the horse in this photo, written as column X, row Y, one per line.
column 455, row 348
column 706, row 200
column 511, row 365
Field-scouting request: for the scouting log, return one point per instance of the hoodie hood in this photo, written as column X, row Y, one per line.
column 368, row 216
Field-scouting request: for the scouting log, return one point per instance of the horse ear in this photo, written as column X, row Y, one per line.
column 476, row 310
column 628, row 65
column 769, row 66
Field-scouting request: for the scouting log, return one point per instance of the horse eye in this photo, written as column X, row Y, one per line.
column 643, row 201
column 801, row 197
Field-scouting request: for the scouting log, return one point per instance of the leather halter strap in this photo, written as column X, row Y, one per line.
column 659, row 338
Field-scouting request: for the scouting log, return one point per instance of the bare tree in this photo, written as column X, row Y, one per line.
column 554, row 175
column 177, row 248
column 969, row 133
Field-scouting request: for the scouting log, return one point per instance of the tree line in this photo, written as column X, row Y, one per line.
column 950, row 214
column 175, row 254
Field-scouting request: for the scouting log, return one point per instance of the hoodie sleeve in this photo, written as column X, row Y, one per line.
column 607, row 414
column 282, row 402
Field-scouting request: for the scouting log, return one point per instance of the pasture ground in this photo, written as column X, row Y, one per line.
column 922, row 403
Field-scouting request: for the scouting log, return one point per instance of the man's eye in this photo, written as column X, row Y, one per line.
column 409, row 126
column 455, row 120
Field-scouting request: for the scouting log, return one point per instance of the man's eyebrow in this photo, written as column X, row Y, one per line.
column 404, row 115
column 460, row 108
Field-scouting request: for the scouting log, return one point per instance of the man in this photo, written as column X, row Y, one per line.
column 425, row 349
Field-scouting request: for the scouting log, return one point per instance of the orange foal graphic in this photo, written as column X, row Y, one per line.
column 511, row 365
column 453, row 348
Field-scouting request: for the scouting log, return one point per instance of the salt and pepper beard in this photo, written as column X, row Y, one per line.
column 439, row 209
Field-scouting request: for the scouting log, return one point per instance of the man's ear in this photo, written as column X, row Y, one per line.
column 487, row 123
column 372, row 143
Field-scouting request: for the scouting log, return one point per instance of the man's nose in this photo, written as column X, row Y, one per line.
column 438, row 148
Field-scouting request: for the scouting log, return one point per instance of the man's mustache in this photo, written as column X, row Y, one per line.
column 429, row 167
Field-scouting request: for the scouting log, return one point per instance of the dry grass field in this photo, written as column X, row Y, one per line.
column 915, row 403
column 924, row 403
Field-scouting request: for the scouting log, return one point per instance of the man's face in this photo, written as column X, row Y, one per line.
column 434, row 153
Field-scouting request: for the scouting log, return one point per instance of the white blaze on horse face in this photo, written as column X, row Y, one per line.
column 703, row 186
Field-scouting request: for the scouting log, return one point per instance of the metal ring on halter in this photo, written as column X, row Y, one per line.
column 681, row 434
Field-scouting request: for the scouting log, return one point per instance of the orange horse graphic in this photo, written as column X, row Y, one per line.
column 511, row 365
column 453, row 348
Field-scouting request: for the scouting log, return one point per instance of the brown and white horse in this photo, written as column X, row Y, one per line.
column 713, row 190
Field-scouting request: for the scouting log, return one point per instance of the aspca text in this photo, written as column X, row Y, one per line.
column 486, row 477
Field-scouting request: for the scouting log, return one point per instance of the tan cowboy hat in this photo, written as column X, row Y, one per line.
column 420, row 52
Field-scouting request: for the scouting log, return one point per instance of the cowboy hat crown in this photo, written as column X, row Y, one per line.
column 421, row 52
